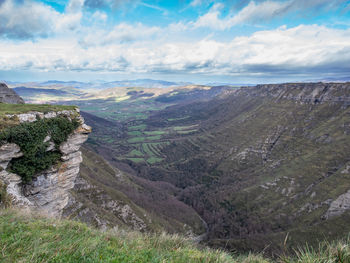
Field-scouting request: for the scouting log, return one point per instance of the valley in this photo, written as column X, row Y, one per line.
column 257, row 164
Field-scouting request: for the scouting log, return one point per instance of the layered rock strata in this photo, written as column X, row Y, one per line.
column 7, row 95
column 313, row 93
column 49, row 190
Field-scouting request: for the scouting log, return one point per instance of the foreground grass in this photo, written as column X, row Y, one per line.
column 28, row 238
column 24, row 238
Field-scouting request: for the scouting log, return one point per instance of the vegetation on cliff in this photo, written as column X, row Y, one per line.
column 6, row 108
column 30, row 137
column 13, row 109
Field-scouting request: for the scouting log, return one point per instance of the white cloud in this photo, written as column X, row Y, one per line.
column 32, row 19
column 196, row 2
column 306, row 49
column 126, row 32
column 114, row 4
column 121, row 33
column 26, row 20
column 251, row 13
column 259, row 11
column 99, row 16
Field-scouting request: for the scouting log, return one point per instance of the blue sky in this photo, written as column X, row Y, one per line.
column 236, row 41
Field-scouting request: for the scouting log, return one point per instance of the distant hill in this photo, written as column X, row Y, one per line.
column 24, row 91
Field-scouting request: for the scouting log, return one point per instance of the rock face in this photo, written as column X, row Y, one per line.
column 313, row 93
column 7, row 95
column 339, row 206
column 49, row 190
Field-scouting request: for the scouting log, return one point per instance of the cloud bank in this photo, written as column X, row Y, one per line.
column 35, row 36
column 299, row 50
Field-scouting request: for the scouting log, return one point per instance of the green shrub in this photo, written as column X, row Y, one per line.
column 30, row 138
column 4, row 198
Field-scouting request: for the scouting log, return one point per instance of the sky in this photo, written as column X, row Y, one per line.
column 202, row 41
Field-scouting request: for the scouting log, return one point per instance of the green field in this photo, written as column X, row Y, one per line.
column 135, row 153
column 178, row 119
column 136, row 160
column 181, row 128
column 153, row 138
column 154, row 132
column 135, row 133
column 136, row 139
column 154, row 160
column 137, row 127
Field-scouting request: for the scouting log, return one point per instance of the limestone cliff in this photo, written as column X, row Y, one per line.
column 7, row 95
column 314, row 93
column 49, row 189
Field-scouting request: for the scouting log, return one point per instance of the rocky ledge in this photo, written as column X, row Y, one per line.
column 7, row 95
column 310, row 93
column 48, row 192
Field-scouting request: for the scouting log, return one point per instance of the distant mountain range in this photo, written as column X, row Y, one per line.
column 99, row 84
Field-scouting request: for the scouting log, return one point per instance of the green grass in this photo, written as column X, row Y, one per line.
column 154, row 160
column 136, row 160
column 153, row 149
column 154, row 132
column 135, row 153
column 12, row 109
column 146, row 149
column 180, row 128
column 178, row 119
column 136, row 139
column 153, row 138
column 25, row 238
column 23, row 108
column 137, row 127
column 135, row 133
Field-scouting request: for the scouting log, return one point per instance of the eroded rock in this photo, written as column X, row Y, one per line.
column 338, row 206
column 49, row 190
column 7, row 95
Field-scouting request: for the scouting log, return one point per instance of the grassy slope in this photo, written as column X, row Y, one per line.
column 153, row 203
column 24, row 238
column 28, row 238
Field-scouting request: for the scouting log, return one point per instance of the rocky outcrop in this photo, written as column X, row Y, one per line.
column 313, row 93
column 49, row 190
column 7, row 95
column 338, row 206
column 12, row 181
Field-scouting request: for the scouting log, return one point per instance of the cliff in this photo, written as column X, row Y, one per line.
column 46, row 189
column 314, row 93
column 9, row 96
